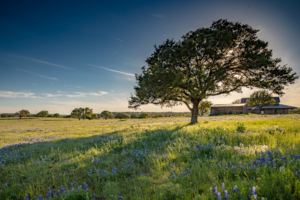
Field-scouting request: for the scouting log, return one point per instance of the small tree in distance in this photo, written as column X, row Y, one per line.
column 106, row 114
column 204, row 107
column 260, row 98
column 133, row 116
column 77, row 112
column 121, row 115
column 22, row 113
column 43, row 113
column 237, row 101
column 56, row 115
column 144, row 115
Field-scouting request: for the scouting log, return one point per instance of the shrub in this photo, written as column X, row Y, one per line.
column 56, row 115
column 122, row 116
column 240, row 128
column 144, row 115
column 133, row 115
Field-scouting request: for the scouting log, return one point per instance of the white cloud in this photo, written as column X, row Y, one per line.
column 128, row 74
column 52, row 95
column 9, row 94
column 59, row 91
column 158, row 15
column 83, row 94
column 38, row 74
column 78, row 94
column 98, row 94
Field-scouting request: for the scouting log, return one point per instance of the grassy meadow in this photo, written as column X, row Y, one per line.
column 221, row 157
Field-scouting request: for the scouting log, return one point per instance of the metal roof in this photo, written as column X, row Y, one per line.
column 243, row 100
column 228, row 105
column 280, row 106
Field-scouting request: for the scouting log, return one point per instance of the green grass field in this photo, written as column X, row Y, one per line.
column 228, row 157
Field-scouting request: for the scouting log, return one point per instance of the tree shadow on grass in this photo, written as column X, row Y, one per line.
column 70, row 161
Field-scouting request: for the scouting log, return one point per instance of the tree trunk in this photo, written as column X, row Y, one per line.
column 195, row 112
column 19, row 117
column 79, row 118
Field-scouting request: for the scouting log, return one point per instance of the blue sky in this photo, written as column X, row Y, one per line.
column 59, row 55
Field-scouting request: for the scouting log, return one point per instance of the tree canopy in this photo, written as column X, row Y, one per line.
column 204, row 107
column 82, row 113
column 57, row 115
column 22, row 113
column 208, row 62
column 43, row 113
column 106, row 114
column 260, row 98
column 237, row 101
column 121, row 115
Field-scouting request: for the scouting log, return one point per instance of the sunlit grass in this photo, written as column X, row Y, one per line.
column 206, row 154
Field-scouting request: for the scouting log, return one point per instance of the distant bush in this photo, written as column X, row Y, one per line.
column 49, row 115
column 157, row 115
column 56, row 115
column 133, row 115
column 144, row 115
column 122, row 116
column 295, row 111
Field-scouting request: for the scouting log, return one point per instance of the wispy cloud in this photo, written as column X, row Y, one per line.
column 52, row 95
column 39, row 61
column 9, row 94
column 128, row 74
column 37, row 74
column 118, row 39
column 84, row 94
column 158, row 15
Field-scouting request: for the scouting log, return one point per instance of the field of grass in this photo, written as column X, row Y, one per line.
column 222, row 157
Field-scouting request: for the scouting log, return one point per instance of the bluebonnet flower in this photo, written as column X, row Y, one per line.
column 180, row 174
column 47, row 196
column 188, row 170
column 58, row 193
column 220, row 167
column 209, row 157
column 120, row 197
column 226, row 194
column 85, row 187
column 282, row 169
column 235, row 189
column 73, row 192
column 40, row 197
column 218, row 194
column 148, row 175
column 174, row 171
column 6, row 185
column 94, row 196
column 131, row 176
column 27, row 197
column 226, row 169
column 223, row 186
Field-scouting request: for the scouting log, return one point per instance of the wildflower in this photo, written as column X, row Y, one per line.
column 58, row 193
column 6, row 185
column 235, row 189
column 94, row 196
column 188, row 170
column 85, row 187
column 40, row 197
column 223, row 186
column 27, row 197
column 226, row 194
column 220, row 166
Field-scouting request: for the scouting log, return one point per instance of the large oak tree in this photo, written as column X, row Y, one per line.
column 208, row 62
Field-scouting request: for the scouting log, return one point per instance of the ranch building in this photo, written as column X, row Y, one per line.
column 242, row 108
column 218, row 109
